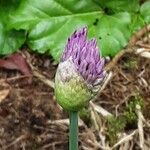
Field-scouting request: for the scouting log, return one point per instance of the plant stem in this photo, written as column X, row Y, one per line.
column 73, row 131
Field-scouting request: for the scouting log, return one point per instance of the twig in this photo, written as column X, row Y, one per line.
column 140, row 126
column 125, row 139
column 94, row 119
column 97, row 145
column 64, row 121
column 105, row 82
column 138, row 35
column 93, row 140
column 143, row 45
column 108, row 78
column 16, row 141
column 95, row 109
column 85, row 148
column 17, row 77
column 143, row 52
column 114, row 61
column 43, row 79
column 51, row 145
column 38, row 74
column 100, row 110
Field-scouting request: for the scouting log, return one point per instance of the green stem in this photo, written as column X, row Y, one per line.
column 73, row 133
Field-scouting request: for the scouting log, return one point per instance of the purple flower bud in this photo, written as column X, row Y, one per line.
column 85, row 55
column 80, row 73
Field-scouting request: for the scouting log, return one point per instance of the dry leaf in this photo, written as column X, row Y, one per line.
column 3, row 94
column 18, row 62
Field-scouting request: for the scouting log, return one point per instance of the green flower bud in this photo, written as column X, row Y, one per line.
column 70, row 89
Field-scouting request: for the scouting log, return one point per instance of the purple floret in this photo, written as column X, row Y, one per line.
column 85, row 55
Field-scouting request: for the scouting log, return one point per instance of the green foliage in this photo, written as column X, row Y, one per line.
column 129, row 116
column 115, row 125
column 130, row 64
column 136, row 23
column 50, row 22
column 49, row 27
column 130, row 110
column 119, row 5
column 145, row 11
column 85, row 115
column 10, row 40
column 112, row 32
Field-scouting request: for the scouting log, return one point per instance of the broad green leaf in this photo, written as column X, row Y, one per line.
column 112, row 33
column 109, row 28
column 51, row 22
column 31, row 12
column 57, row 33
column 10, row 40
column 145, row 11
column 112, row 6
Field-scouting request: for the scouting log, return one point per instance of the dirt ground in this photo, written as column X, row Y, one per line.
column 30, row 118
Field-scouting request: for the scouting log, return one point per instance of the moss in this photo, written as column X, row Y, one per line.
column 115, row 125
column 130, row 64
column 129, row 116
column 85, row 115
column 130, row 110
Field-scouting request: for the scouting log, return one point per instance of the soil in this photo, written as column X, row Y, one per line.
column 30, row 118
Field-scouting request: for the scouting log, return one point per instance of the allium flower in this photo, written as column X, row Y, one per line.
column 80, row 73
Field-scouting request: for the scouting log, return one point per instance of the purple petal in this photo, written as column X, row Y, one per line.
column 100, row 66
column 85, row 55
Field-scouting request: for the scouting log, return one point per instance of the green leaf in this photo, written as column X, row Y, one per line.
column 10, row 40
column 112, row 33
column 145, row 11
column 111, row 6
column 52, row 34
column 31, row 12
column 136, row 23
column 51, row 22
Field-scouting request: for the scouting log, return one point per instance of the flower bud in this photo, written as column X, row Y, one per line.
column 80, row 73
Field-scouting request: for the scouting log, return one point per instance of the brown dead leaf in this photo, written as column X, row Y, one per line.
column 16, row 62
column 3, row 94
